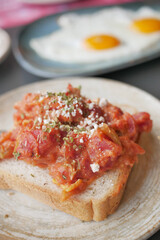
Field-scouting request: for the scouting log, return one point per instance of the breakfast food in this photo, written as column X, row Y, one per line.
column 70, row 152
column 107, row 34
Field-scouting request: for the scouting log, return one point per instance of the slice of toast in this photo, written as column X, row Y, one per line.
column 100, row 199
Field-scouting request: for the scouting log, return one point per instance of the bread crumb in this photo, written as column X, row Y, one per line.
column 6, row 216
column 11, row 193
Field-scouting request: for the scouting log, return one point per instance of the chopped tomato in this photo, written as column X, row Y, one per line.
column 103, row 150
column 143, row 121
column 76, row 139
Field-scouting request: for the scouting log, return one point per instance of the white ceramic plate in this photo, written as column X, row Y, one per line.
column 5, row 44
column 138, row 215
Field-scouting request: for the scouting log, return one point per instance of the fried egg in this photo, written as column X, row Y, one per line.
column 105, row 35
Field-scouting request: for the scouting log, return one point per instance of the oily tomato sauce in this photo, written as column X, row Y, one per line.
column 75, row 138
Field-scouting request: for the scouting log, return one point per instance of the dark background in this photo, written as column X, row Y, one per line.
column 146, row 76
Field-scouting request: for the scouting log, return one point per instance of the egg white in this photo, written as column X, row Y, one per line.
column 67, row 44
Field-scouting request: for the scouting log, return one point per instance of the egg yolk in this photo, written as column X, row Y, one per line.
column 147, row 25
column 101, row 42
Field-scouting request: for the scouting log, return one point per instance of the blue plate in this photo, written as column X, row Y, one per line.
column 39, row 66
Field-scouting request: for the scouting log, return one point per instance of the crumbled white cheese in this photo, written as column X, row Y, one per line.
column 95, row 126
column 57, row 113
column 91, row 105
column 41, row 98
column 46, row 121
column 80, row 111
column 81, row 140
column 101, row 125
column 95, row 167
column 39, row 119
column 103, row 102
column 101, row 119
column 67, row 115
column 25, row 143
column 47, row 112
column 75, row 102
column 89, row 122
column 91, row 132
column 44, row 127
column 74, row 113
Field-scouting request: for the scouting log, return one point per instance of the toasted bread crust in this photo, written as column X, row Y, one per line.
column 93, row 209
column 106, row 206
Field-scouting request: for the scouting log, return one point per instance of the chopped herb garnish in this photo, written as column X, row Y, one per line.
column 71, row 139
column 79, row 87
column 48, row 130
column 49, row 94
column 75, row 131
column 67, row 128
column 65, row 139
column 55, row 100
column 71, row 109
column 37, row 155
column 78, row 130
column 16, row 155
column 82, row 129
column 32, row 175
column 53, row 124
column 22, row 115
column 59, row 94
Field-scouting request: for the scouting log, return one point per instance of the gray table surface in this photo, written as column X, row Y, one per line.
column 146, row 76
